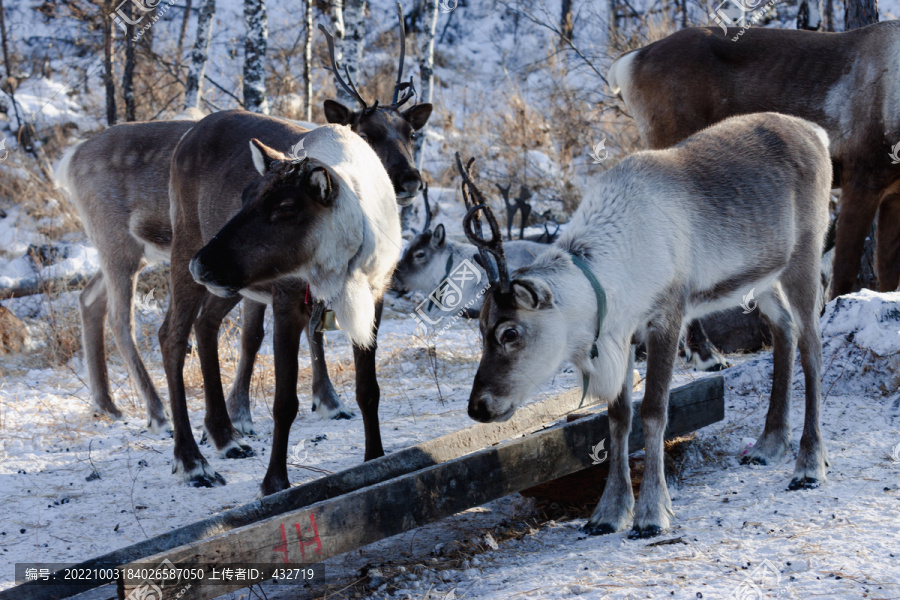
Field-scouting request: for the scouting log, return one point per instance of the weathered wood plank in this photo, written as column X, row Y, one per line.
column 333, row 527
column 398, row 463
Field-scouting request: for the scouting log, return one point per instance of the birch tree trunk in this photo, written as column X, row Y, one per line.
column 354, row 14
column 6, row 61
column 307, row 60
column 183, row 32
column 426, row 68
column 859, row 13
column 109, row 36
column 128, row 71
column 199, row 54
column 255, row 56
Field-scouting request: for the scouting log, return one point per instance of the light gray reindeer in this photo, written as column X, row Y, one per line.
column 662, row 237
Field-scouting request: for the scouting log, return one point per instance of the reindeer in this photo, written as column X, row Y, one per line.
column 662, row 237
column 844, row 82
column 329, row 222
column 430, row 258
column 118, row 180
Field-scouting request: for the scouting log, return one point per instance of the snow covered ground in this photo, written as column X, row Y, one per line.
column 839, row 541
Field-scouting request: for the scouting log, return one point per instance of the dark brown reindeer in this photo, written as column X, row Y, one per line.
column 119, row 181
column 845, row 82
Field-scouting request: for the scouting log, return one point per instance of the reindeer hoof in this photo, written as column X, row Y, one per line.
column 754, row 460
column 718, row 367
column 649, row 531
column 207, row 481
column 804, row 483
column 598, row 529
column 241, row 451
column 159, row 426
column 273, row 486
column 344, row 414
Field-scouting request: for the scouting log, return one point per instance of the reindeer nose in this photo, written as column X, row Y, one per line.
column 478, row 410
column 411, row 184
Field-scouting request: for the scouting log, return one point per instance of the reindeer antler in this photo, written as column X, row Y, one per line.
column 335, row 68
column 472, row 227
column 406, row 87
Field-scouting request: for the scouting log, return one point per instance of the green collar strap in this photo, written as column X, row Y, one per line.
column 601, row 314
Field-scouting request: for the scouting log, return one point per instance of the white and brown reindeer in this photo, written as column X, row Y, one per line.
column 119, row 181
column 250, row 221
column 662, row 237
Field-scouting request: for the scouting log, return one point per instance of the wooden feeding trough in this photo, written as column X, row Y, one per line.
column 382, row 498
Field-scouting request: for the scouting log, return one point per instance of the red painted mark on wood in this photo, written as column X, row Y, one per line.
column 314, row 529
column 313, row 540
column 282, row 547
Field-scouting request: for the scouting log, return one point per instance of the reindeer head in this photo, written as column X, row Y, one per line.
column 424, row 263
column 522, row 342
column 273, row 232
column 390, row 131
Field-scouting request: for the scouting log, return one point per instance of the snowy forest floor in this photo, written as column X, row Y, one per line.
column 737, row 530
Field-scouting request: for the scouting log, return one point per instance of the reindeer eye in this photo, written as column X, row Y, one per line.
column 413, row 135
column 364, row 137
column 419, row 254
column 509, row 335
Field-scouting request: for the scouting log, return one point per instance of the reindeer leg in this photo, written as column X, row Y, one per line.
column 326, row 402
column 776, row 436
column 616, row 506
column 184, row 301
column 700, row 352
column 290, row 319
column 803, row 291
column 217, row 424
column 367, row 391
column 654, row 507
column 887, row 249
column 92, row 305
column 121, row 319
column 252, row 332
column 859, row 203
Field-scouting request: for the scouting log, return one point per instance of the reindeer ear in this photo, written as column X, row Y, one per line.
column 418, row 115
column 321, row 186
column 263, row 156
column 337, row 113
column 437, row 238
column 532, row 294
